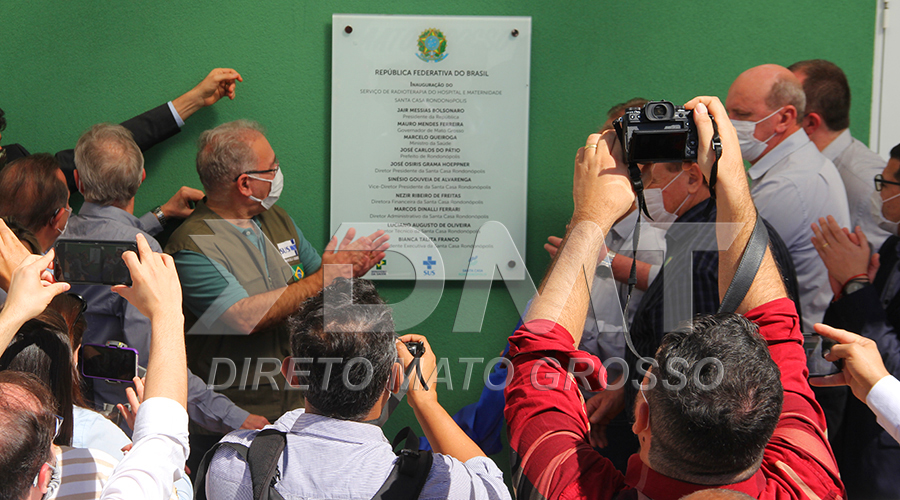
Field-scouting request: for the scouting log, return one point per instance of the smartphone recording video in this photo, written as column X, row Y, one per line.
column 105, row 362
column 92, row 262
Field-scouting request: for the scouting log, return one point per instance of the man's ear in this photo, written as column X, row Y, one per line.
column 812, row 122
column 641, row 416
column 396, row 379
column 288, row 371
column 54, row 221
column 695, row 178
column 143, row 175
column 243, row 185
column 788, row 118
column 44, row 477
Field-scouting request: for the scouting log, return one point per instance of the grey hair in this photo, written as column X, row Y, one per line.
column 787, row 91
column 110, row 164
column 224, row 153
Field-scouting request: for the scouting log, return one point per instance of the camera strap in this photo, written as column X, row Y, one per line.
column 716, row 144
column 750, row 260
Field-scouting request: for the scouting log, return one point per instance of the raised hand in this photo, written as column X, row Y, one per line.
column 156, row 290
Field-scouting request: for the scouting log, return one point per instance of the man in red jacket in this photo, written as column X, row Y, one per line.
column 726, row 403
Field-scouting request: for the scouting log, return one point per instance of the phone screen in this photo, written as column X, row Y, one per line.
column 92, row 262
column 108, row 362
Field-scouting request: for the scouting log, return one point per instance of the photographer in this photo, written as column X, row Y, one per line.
column 750, row 425
column 333, row 449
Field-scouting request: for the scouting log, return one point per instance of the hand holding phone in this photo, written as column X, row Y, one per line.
column 114, row 363
column 92, row 262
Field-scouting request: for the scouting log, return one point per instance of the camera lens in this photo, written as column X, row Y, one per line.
column 659, row 111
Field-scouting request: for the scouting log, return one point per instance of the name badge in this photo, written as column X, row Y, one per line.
column 288, row 250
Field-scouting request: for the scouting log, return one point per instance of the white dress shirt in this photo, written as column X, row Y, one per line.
column 858, row 166
column 794, row 185
column 157, row 459
column 884, row 401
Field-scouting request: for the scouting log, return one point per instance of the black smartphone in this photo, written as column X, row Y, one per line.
column 815, row 347
column 107, row 362
column 92, row 262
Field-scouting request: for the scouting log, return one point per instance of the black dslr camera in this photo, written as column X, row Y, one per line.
column 657, row 132
column 417, row 349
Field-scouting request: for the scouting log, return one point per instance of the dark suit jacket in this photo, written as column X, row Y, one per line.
column 867, row 455
column 149, row 129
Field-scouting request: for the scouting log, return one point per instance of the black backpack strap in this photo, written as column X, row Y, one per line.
column 408, row 476
column 200, row 479
column 747, row 268
column 262, row 459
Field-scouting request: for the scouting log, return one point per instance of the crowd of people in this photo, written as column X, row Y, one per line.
column 267, row 367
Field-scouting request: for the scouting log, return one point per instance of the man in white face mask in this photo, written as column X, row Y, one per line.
column 245, row 266
column 678, row 200
column 791, row 182
column 867, row 299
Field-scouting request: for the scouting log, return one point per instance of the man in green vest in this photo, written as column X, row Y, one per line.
column 245, row 267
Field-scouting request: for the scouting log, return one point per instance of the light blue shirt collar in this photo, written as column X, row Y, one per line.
column 838, row 145
column 788, row 146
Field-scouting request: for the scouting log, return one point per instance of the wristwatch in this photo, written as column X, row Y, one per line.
column 160, row 216
column 854, row 286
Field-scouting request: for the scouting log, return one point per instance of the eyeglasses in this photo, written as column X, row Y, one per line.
column 66, row 208
column 59, row 422
column 269, row 171
column 880, row 182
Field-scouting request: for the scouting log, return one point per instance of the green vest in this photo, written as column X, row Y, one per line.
column 205, row 232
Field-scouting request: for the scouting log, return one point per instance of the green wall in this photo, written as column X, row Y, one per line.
column 65, row 65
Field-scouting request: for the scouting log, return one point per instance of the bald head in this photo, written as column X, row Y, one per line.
column 764, row 89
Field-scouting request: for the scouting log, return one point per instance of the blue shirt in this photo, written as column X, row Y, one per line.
column 330, row 458
column 794, row 185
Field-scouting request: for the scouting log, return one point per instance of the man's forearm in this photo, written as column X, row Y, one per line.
column 565, row 292
column 264, row 310
column 734, row 204
column 621, row 268
column 167, row 366
column 444, row 434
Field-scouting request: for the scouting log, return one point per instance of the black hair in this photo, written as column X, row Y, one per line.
column 827, row 92
column 716, row 403
column 349, row 324
column 895, row 152
column 31, row 191
column 41, row 347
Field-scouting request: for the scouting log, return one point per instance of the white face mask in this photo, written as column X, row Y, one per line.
column 751, row 147
column 657, row 208
column 66, row 225
column 274, row 191
column 876, row 207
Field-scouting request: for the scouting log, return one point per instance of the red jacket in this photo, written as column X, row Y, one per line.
column 548, row 427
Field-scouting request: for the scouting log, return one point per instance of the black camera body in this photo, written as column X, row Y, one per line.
column 417, row 349
column 658, row 132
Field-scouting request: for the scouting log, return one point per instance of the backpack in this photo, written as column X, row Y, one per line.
column 405, row 481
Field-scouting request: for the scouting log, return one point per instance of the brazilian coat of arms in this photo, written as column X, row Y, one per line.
column 432, row 45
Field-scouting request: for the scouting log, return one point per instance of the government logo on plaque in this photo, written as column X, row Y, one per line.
column 432, row 45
